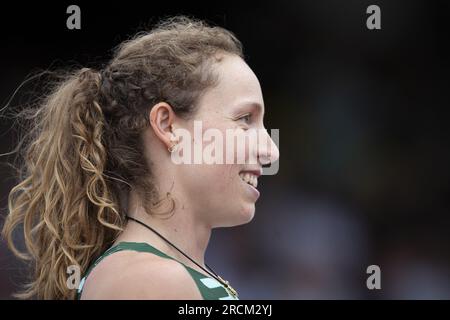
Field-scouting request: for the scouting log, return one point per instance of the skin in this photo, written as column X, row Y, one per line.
column 207, row 196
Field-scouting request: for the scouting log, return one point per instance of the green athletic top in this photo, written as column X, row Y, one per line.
column 210, row 288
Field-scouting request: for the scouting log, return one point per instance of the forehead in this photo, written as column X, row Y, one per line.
column 237, row 84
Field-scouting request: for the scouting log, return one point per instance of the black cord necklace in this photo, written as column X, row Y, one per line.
column 225, row 283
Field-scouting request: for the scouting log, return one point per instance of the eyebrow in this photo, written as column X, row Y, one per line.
column 252, row 104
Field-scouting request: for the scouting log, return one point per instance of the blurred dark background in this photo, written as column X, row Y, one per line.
column 364, row 167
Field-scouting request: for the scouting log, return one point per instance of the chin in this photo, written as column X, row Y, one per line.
column 238, row 216
column 245, row 214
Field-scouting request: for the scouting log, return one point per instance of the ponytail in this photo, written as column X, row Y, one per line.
column 68, row 212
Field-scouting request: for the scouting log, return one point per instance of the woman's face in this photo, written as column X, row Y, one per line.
column 222, row 193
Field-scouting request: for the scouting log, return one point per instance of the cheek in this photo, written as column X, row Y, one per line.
column 210, row 180
column 222, row 178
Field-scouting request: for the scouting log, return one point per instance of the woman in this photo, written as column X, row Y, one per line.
column 99, row 188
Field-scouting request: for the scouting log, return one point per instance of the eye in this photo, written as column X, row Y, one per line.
column 246, row 118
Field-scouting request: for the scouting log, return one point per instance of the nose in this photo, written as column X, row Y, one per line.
column 268, row 151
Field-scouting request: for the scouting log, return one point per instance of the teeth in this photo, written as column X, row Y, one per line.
column 249, row 178
column 255, row 181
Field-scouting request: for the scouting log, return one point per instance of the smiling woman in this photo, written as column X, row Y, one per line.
column 98, row 188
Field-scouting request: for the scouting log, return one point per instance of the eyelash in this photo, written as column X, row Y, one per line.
column 249, row 115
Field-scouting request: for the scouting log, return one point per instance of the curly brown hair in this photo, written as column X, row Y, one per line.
column 82, row 152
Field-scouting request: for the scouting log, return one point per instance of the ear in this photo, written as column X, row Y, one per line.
column 162, row 117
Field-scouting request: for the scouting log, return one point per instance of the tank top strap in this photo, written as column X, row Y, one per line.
column 209, row 287
column 139, row 247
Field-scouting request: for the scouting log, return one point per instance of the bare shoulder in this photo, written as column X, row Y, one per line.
column 138, row 275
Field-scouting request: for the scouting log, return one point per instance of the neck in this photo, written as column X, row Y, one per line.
column 181, row 228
